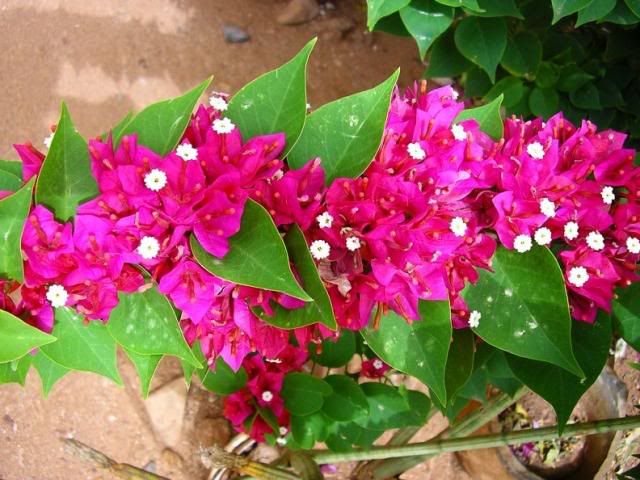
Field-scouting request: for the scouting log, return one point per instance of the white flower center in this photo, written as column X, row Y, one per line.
column 522, row 243
column 149, row 248
column 633, row 245
column 57, row 295
column 353, row 244
column 607, row 195
column 474, row 319
column 155, row 180
column 320, row 249
column 535, row 150
column 454, row 94
column 218, row 103
column 542, row 236
column 47, row 141
column 458, row 226
column 571, row 230
column 325, row 220
column 267, row 396
column 415, row 151
column 377, row 364
column 223, row 125
column 283, row 431
column 548, row 208
column 595, row 240
column 578, row 276
column 458, row 132
column 186, row 152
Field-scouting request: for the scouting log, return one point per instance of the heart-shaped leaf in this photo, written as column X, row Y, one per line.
column 595, row 11
column 347, row 402
column 146, row 366
column 65, row 180
column 145, row 323
column 544, row 102
column 275, row 101
column 522, row 55
column 426, row 20
column 445, row 59
column 419, row 348
column 14, row 210
column 87, row 347
column 483, row 41
column 377, row 9
column 161, row 125
column 488, row 117
column 335, row 353
column 562, row 8
column 17, row 338
column 346, row 133
column 309, row 429
column 304, row 394
column 50, row 372
column 257, row 257
column 524, row 307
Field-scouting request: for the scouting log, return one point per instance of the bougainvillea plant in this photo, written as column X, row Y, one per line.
column 392, row 231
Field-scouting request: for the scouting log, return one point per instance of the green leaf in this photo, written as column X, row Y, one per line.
column 626, row 312
column 476, row 83
column 14, row 210
column 445, row 60
column 572, row 77
column 483, row 41
column 487, row 116
column 161, row 125
column 16, row 371
column 275, row 101
column 524, row 307
column 317, row 311
column 498, row 8
column 586, row 97
column 345, row 133
column 9, row 182
column 388, row 408
column 523, row 55
column 634, row 6
column 89, row 348
column 304, row 394
column 521, row 109
column 11, row 167
column 392, row 24
column 223, row 380
column 470, row 4
column 146, row 366
column 419, row 348
column 377, row 9
column 557, row 386
column 621, row 15
column 547, row 75
column 347, row 402
column 544, row 102
column 511, row 88
column 257, row 256
column 65, row 180
column 145, row 323
column 116, row 132
column 309, row 429
column 50, row 372
column 336, row 352
column 596, row 10
column 426, row 20
column 18, row 338
column 460, row 362
column 562, row 8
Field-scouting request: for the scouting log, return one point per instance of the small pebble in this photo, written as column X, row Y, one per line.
column 235, row 34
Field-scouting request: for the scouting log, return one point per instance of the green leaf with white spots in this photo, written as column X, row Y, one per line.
column 65, row 180
column 378, row 9
column 161, row 125
column 317, row 311
column 50, row 372
column 146, row 366
column 419, row 348
column 524, row 307
column 346, row 133
column 145, row 323
column 426, row 20
column 275, row 101
column 17, row 338
column 488, row 117
column 16, row 371
column 257, row 256
column 483, row 41
column 14, row 210
column 87, row 347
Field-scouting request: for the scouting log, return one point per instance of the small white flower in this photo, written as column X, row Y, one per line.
column 267, row 396
column 353, row 244
column 474, row 319
column 325, row 220
column 458, row 132
column 308, row 106
column 548, row 208
column 595, row 240
column 607, row 195
column 186, row 152
column 47, row 141
column 522, row 243
column 571, row 230
column 281, row 441
column 320, row 249
column 578, row 276
column 535, row 150
column 454, row 94
column 377, row 364
column 57, row 295
column 542, row 236
column 415, row 151
column 283, row 431
column 223, row 125
column 218, row 103
column 149, row 248
column 458, row 226
column 155, row 180
column 633, row 245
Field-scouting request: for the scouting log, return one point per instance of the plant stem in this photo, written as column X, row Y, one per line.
column 483, row 441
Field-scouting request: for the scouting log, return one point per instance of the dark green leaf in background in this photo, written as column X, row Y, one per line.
column 445, row 60
column 377, row 9
column 335, row 353
column 522, row 55
column 426, row 20
column 544, row 102
column 347, row 401
column 304, row 394
column 562, row 8
column 596, row 10
column 511, row 87
column 483, row 41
